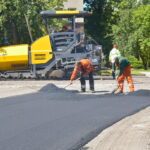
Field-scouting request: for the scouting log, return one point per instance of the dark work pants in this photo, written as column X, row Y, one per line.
column 83, row 83
column 113, row 74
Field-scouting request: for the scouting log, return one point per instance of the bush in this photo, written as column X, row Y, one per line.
column 135, row 62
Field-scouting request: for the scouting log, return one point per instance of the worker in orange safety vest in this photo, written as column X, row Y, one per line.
column 84, row 67
column 124, row 67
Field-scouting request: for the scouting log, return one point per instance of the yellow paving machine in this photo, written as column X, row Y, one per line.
column 53, row 51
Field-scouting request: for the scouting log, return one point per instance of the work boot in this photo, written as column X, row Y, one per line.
column 83, row 87
column 82, row 90
column 92, row 91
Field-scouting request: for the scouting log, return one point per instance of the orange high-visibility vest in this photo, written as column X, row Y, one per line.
column 86, row 68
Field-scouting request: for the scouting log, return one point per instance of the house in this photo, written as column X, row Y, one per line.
column 75, row 5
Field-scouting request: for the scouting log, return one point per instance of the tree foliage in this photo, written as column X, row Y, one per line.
column 125, row 22
column 99, row 24
column 12, row 18
column 132, row 30
column 141, row 25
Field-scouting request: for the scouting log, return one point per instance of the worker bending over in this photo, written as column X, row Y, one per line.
column 84, row 67
column 124, row 67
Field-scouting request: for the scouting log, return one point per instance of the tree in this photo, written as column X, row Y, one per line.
column 12, row 18
column 132, row 30
column 122, row 29
column 98, row 26
column 121, row 32
column 141, row 24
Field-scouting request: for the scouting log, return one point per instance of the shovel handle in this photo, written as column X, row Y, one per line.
column 71, row 83
column 67, row 85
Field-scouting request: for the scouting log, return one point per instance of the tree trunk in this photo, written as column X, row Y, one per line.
column 145, row 62
column 14, row 34
column 145, row 66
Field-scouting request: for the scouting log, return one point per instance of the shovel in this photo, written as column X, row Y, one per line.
column 116, row 88
column 67, row 85
column 71, row 83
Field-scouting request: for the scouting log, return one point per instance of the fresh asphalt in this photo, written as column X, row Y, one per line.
column 56, row 119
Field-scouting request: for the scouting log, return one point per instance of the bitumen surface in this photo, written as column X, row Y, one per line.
column 57, row 119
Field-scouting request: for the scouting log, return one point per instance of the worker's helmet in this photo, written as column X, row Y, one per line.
column 115, row 46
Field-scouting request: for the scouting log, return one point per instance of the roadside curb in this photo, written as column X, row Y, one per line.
column 130, row 133
column 146, row 74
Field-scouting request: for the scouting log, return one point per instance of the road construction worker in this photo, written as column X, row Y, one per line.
column 84, row 67
column 124, row 67
column 113, row 53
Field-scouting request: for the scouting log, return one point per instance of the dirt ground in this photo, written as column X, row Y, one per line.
column 131, row 133
column 103, row 85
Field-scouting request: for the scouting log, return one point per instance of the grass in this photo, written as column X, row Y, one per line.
column 105, row 72
column 138, row 71
column 134, row 72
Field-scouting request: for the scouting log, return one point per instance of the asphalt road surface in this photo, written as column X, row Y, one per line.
column 57, row 119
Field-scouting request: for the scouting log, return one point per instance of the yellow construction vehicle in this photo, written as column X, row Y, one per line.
column 19, row 60
column 38, row 59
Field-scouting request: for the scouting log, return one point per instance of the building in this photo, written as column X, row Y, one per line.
column 75, row 5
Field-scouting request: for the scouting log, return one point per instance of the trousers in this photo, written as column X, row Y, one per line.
column 83, row 83
column 126, row 74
